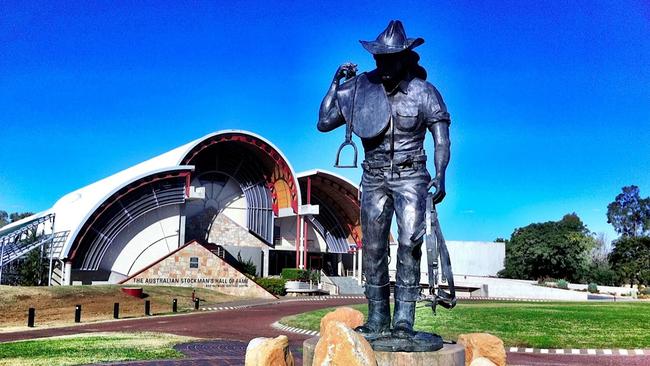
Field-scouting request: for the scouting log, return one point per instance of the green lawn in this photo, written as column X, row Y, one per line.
column 531, row 324
column 85, row 349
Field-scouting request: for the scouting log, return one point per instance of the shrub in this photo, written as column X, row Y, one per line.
column 295, row 274
column 563, row 284
column 544, row 281
column 273, row 285
column 314, row 276
column 247, row 266
column 593, row 288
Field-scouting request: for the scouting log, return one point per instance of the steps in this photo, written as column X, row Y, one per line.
column 347, row 285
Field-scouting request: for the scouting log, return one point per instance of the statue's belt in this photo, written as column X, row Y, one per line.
column 403, row 161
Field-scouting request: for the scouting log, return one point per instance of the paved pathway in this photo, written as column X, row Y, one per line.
column 230, row 331
column 241, row 325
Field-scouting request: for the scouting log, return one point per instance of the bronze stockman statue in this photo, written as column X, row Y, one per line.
column 390, row 109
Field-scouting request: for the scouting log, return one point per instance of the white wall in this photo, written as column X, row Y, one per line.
column 520, row 289
column 476, row 258
column 316, row 243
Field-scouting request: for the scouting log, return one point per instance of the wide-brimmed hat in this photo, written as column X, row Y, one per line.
column 392, row 40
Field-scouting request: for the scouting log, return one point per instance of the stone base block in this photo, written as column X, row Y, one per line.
column 449, row 355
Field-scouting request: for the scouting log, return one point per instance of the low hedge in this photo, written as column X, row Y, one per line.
column 295, row 274
column 273, row 285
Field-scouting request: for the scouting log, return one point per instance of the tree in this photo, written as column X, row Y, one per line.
column 630, row 258
column 4, row 218
column 629, row 213
column 599, row 270
column 556, row 249
column 30, row 272
column 30, row 266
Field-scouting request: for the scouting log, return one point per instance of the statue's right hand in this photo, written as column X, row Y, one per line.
column 347, row 70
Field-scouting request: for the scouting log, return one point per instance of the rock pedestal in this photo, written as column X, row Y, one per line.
column 485, row 345
column 449, row 355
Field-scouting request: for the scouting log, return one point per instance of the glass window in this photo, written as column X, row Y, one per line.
column 194, row 262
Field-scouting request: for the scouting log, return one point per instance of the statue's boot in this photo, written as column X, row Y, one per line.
column 403, row 319
column 378, row 324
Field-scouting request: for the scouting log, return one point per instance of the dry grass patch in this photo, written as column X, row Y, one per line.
column 55, row 305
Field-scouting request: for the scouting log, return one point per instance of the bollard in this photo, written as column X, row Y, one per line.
column 174, row 305
column 147, row 307
column 116, row 310
column 196, row 304
column 77, row 314
column 31, row 314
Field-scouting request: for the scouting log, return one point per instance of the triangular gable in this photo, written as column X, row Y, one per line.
column 211, row 272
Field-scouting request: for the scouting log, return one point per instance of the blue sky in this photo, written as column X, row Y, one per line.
column 550, row 101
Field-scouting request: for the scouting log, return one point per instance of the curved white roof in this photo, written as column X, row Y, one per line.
column 331, row 174
column 73, row 209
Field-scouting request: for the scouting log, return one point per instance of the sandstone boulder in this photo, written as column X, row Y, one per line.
column 484, row 345
column 340, row 345
column 269, row 352
column 348, row 316
column 482, row 361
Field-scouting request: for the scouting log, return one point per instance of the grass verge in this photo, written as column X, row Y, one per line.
column 85, row 349
column 530, row 324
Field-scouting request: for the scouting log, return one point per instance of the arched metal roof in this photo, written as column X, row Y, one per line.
column 271, row 156
column 339, row 207
column 74, row 209
column 122, row 208
column 261, row 172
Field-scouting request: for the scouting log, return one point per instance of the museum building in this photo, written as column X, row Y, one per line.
column 231, row 189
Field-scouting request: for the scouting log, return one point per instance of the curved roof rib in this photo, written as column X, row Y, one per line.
column 276, row 166
column 339, row 207
column 121, row 209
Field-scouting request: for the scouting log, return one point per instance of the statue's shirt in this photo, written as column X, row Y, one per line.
column 403, row 115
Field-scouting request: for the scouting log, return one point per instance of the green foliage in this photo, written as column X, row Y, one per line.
column 273, row 285
column 248, row 267
column 14, row 216
column 4, row 218
column 19, row 216
column 629, row 213
column 600, row 272
column 563, row 284
column 630, row 258
column 593, row 288
column 314, row 276
column 295, row 274
column 31, row 269
column 557, row 249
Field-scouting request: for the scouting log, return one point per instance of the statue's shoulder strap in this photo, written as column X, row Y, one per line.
column 345, row 95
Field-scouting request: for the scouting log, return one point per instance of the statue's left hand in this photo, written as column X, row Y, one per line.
column 439, row 184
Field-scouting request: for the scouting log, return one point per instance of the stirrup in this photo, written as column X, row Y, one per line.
column 338, row 155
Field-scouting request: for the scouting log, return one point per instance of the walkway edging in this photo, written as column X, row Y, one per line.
column 319, row 298
column 286, row 328
column 558, row 351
